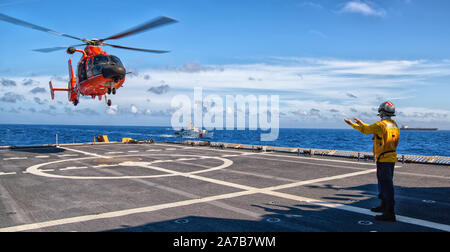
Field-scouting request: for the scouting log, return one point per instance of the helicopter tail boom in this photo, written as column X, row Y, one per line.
column 52, row 90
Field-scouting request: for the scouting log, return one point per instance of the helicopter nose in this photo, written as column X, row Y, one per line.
column 113, row 72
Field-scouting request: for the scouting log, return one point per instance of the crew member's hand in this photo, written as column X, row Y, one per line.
column 348, row 122
column 357, row 121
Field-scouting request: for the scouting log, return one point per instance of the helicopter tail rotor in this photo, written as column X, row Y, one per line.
column 52, row 92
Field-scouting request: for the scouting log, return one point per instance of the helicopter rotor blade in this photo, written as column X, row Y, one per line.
column 52, row 49
column 136, row 49
column 36, row 27
column 149, row 25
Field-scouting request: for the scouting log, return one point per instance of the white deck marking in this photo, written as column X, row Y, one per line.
column 247, row 190
column 73, row 168
column 15, row 158
column 359, row 210
column 7, row 173
column 116, row 214
column 83, row 152
column 35, row 169
column 271, row 154
column 103, row 166
column 250, row 191
column 41, row 156
column 68, row 155
column 47, row 170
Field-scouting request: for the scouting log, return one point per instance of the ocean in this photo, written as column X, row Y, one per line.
column 428, row 143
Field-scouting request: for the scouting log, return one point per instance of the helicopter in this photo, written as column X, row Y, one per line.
column 98, row 73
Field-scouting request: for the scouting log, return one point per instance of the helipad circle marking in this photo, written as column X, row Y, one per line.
column 35, row 169
column 182, row 221
column 365, row 222
column 273, row 220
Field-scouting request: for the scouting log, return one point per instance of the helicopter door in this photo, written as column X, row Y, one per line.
column 82, row 71
column 89, row 68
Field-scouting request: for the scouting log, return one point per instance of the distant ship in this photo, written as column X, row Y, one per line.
column 406, row 127
column 193, row 132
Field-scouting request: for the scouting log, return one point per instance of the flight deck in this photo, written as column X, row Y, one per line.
column 166, row 187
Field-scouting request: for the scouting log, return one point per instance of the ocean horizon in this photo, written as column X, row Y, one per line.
column 427, row 143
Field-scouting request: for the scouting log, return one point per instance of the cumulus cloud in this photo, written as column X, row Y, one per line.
column 310, row 4
column 38, row 90
column 112, row 110
column 39, row 101
column 7, row 83
column 164, row 88
column 130, row 110
column 351, row 95
column 194, row 67
column 28, row 82
column 61, row 78
column 79, row 111
column 321, row 89
column 11, row 97
column 363, row 7
column 134, row 110
column 328, row 81
column 87, row 112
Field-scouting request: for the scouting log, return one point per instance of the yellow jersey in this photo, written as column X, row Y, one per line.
column 385, row 139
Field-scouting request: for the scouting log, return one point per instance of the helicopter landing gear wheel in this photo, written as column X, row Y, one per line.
column 109, row 102
column 113, row 91
column 109, row 91
column 75, row 102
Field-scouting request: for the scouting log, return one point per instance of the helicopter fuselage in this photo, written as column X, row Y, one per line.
column 98, row 74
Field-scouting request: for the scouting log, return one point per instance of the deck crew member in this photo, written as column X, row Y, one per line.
column 385, row 141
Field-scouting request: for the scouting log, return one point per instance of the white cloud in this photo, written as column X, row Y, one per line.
column 364, row 8
column 112, row 110
column 310, row 4
column 134, row 109
column 321, row 89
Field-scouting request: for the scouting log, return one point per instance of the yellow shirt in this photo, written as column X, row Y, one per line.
column 385, row 139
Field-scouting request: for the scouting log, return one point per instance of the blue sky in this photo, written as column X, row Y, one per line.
column 325, row 59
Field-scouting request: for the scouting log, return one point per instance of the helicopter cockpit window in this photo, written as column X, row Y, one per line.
column 116, row 60
column 100, row 59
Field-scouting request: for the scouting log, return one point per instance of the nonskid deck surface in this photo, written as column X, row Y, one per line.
column 176, row 188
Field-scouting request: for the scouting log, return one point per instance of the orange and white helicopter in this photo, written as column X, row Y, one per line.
column 98, row 72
